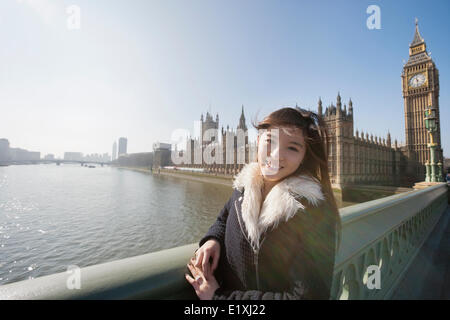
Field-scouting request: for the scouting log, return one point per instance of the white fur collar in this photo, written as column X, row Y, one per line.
column 279, row 204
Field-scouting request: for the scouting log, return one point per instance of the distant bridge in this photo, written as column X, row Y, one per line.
column 56, row 161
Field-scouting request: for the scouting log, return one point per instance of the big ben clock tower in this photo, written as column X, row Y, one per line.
column 420, row 83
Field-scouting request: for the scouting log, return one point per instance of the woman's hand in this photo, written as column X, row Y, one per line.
column 203, row 288
column 210, row 249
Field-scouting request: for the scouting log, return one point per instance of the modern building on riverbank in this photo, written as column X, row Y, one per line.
column 114, row 151
column 161, row 154
column 122, row 146
column 16, row 154
column 141, row 159
column 4, row 150
column 73, row 156
column 8, row 154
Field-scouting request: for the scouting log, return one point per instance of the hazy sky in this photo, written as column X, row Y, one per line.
column 142, row 69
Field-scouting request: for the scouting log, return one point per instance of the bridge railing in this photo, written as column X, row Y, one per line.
column 386, row 233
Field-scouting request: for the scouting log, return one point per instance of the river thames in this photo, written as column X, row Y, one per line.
column 52, row 217
column 55, row 216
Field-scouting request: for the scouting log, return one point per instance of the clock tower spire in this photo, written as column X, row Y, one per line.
column 420, row 87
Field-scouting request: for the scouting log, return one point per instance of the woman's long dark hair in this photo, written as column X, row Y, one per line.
column 315, row 162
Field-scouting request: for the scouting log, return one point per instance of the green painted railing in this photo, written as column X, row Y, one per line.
column 157, row 275
column 387, row 233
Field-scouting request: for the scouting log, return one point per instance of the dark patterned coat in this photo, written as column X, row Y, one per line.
column 284, row 249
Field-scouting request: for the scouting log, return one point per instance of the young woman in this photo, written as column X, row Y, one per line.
column 276, row 236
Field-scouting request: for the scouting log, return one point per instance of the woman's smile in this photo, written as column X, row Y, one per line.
column 285, row 146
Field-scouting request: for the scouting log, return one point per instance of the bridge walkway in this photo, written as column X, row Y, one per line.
column 428, row 276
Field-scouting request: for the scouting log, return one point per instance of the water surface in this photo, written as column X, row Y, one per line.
column 55, row 216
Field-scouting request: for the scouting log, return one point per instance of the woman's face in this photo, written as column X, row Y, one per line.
column 280, row 152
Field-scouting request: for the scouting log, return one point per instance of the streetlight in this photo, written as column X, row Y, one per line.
column 433, row 174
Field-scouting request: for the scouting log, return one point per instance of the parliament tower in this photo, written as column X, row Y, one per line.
column 420, row 84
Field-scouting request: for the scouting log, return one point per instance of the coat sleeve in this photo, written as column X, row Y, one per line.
column 217, row 230
column 310, row 273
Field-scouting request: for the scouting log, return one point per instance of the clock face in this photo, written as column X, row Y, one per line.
column 417, row 80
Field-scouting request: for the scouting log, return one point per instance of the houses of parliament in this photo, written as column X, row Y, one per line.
column 358, row 157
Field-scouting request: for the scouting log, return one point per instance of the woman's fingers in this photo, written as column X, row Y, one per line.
column 202, row 260
column 192, row 269
column 199, row 258
column 196, row 273
column 215, row 263
column 205, row 265
column 211, row 267
column 194, row 283
column 198, row 261
column 190, row 279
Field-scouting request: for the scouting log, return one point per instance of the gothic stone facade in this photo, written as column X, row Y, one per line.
column 232, row 157
column 420, row 88
column 359, row 159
